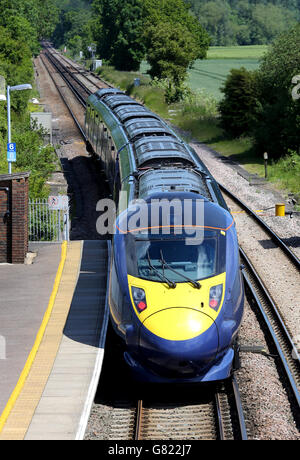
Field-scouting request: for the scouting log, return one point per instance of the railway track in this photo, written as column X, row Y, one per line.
column 271, row 316
column 211, row 415
column 221, row 417
column 90, row 78
column 47, row 64
column 273, row 322
column 77, row 78
column 273, row 236
column 76, row 86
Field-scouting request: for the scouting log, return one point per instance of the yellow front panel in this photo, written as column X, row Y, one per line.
column 178, row 323
column 172, row 321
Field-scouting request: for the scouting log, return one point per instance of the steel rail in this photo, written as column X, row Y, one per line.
column 239, row 408
column 273, row 320
column 227, row 427
column 67, row 105
column 291, row 255
column 66, row 69
column 79, row 96
column 85, row 73
column 138, row 421
column 221, row 425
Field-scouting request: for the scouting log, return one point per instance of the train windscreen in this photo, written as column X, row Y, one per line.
column 171, row 257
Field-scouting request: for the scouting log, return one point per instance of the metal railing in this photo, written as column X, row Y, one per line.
column 48, row 223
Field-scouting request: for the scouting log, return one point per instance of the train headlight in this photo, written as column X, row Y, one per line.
column 215, row 296
column 139, row 298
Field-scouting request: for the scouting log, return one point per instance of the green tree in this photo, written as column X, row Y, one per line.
column 268, row 21
column 176, row 13
column 48, row 18
column 243, row 22
column 129, row 49
column 174, row 40
column 15, row 66
column 118, row 32
column 240, row 104
column 170, row 52
column 278, row 125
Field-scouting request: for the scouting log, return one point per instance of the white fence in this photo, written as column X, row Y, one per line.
column 49, row 219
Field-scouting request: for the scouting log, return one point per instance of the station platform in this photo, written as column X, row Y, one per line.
column 53, row 321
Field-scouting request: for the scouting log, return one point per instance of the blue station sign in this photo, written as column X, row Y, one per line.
column 11, row 152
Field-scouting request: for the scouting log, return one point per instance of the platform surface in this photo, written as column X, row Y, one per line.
column 23, row 300
column 55, row 401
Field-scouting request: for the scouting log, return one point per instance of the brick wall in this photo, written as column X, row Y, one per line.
column 4, row 228
column 14, row 228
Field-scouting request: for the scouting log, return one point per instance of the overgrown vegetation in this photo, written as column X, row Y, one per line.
column 257, row 111
column 198, row 117
column 162, row 32
column 240, row 22
column 260, row 104
column 21, row 24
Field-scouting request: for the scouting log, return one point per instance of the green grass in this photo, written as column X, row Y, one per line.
column 208, row 131
column 211, row 74
column 198, row 115
column 237, row 52
column 151, row 96
column 284, row 173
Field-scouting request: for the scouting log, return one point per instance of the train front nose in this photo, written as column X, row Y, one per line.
column 178, row 341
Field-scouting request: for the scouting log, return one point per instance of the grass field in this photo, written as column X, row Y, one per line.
column 211, row 73
column 237, row 52
column 199, row 117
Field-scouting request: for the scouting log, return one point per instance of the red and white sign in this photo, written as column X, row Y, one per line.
column 57, row 203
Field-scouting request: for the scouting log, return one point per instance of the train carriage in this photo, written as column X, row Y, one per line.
column 176, row 294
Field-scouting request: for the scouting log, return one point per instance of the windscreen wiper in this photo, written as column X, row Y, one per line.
column 196, row 284
column 171, row 284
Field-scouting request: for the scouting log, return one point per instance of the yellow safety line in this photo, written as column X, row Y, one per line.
column 16, row 392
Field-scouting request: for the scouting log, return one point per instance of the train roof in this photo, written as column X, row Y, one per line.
column 172, row 180
column 163, row 207
column 108, row 91
column 159, row 161
column 145, row 126
column 125, row 112
column 114, row 101
column 160, row 148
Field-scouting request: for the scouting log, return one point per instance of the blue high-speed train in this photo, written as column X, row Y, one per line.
column 176, row 293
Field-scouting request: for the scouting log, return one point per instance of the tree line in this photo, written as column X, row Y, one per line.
column 262, row 104
column 22, row 24
column 245, row 22
column 169, row 35
column 126, row 32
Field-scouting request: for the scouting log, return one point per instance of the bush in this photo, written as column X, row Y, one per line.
column 287, row 171
column 199, row 104
column 278, row 125
column 240, row 106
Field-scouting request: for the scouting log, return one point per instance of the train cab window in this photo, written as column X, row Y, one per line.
column 151, row 257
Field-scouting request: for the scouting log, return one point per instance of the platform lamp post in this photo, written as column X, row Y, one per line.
column 8, row 90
